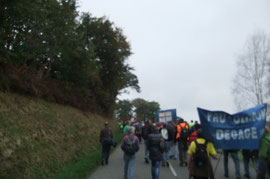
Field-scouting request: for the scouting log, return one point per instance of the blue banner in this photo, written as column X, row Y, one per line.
column 242, row 130
column 166, row 115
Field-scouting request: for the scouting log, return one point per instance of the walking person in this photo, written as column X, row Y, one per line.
column 130, row 145
column 199, row 164
column 174, row 148
column 156, row 147
column 138, row 132
column 106, row 140
column 146, row 130
column 167, row 134
column 182, row 138
column 125, row 130
column 236, row 162
column 264, row 155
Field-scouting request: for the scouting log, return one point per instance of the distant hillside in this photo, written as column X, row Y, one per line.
column 37, row 138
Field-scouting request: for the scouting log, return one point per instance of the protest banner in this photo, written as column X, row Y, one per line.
column 166, row 115
column 242, row 130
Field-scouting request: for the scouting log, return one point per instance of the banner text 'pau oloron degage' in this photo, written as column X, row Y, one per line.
column 242, row 130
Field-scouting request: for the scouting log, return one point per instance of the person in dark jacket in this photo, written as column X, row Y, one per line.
column 156, row 147
column 106, row 140
column 174, row 148
column 146, row 130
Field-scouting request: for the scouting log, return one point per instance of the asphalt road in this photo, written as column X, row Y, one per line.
column 115, row 168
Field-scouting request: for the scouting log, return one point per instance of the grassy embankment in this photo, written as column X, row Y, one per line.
column 46, row 140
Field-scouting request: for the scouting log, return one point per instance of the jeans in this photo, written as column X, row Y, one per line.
column 173, row 150
column 167, row 145
column 235, row 161
column 129, row 166
column 246, row 163
column 146, row 150
column 155, row 168
column 105, row 151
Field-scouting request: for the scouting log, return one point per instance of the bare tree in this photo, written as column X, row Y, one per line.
column 250, row 83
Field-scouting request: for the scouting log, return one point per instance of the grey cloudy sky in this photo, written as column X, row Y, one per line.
column 185, row 51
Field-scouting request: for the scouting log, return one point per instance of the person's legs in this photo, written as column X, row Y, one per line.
column 236, row 164
column 146, row 151
column 107, row 153
column 246, row 165
column 103, row 154
column 126, row 163
column 173, row 150
column 255, row 160
column 180, row 149
column 131, row 166
column 185, row 148
column 153, row 162
column 226, row 171
column 262, row 169
column 166, row 152
column 155, row 169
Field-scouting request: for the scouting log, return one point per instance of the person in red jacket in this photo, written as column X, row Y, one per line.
column 193, row 136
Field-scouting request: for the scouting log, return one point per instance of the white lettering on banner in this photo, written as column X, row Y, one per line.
column 236, row 120
column 227, row 135
column 234, row 134
column 209, row 116
column 247, row 133
column 219, row 117
column 254, row 133
column 255, row 116
column 240, row 134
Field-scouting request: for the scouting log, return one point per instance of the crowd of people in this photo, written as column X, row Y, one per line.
column 162, row 142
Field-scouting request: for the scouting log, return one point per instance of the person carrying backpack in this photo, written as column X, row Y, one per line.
column 146, row 130
column 106, row 140
column 199, row 164
column 130, row 145
column 156, row 148
column 182, row 138
column 167, row 134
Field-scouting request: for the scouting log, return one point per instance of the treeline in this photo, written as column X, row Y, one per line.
column 138, row 108
column 48, row 50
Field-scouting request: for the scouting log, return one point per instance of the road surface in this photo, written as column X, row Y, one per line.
column 115, row 168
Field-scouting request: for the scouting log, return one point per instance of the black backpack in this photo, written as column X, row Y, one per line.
column 200, row 157
column 130, row 147
column 184, row 133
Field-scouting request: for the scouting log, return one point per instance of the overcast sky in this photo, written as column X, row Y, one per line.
column 184, row 52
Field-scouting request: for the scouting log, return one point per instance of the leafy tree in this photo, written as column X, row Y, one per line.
column 250, row 83
column 145, row 110
column 111, row 51
column 47, row 37
column 124, row 110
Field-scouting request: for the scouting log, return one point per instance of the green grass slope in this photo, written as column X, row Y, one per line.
column 40, row 139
